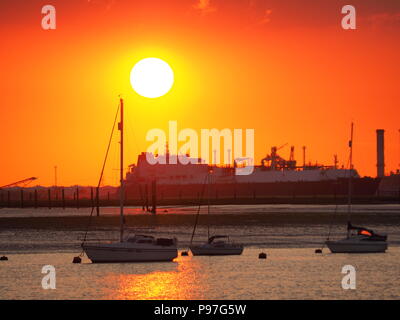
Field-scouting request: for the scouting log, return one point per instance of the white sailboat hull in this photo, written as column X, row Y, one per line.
column 210, row 250
column 356, row 246
column 127, row 252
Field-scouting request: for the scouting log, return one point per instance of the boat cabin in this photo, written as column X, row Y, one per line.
column 366, row 234
column 141, row 239
column 144, row 239
column 213, row 238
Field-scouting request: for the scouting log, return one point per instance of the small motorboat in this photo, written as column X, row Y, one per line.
column 217, row 246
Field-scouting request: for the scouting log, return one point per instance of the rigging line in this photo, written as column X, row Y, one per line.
column 349, row 174
column 130, row 128
column 136, row 146
column 330, row 224
column 350, row 191
column 198, row 209
column 102, row 172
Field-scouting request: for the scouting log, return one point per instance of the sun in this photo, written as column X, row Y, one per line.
column 152, row 77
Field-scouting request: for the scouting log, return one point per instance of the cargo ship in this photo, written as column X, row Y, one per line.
column 273, row 177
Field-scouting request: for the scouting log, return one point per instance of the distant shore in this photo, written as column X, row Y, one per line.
column 165, row 219
column 88, row 203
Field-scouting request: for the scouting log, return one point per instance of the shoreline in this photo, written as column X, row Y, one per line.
column 166, row 219
column 305, row 200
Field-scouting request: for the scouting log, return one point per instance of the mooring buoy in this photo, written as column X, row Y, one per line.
column 318, row 250
column 76, row 260
column 3, row 258
column 262, row 255
column 184, row 253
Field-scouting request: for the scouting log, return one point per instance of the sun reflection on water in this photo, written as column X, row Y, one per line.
column 177, row 280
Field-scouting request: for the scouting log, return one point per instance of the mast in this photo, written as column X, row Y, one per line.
column 198, row 209
column 350, row 181
column 121, row 189
column 208, row 206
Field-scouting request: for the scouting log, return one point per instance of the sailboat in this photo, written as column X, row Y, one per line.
column 133, row 248
column 217, row 245
column 358, row 239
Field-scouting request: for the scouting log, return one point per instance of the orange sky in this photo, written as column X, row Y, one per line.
column 285, row 68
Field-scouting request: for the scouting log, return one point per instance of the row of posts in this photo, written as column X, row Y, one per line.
column 149, row 205
column 95, row 199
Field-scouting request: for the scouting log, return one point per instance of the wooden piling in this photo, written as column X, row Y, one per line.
column 98, row 201
column 154, row 197
column 142, row 198
column 91, row 197
column 146, row 194
column 77, row 197
column 22, row 198
column 63, row 197
column 35, row 197
column 49, row 197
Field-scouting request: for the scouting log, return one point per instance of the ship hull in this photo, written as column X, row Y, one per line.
column 362, row 187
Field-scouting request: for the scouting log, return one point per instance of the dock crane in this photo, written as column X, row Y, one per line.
column 276, row 162
column 24, row 182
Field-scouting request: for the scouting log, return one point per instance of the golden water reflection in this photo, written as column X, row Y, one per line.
column 176, row 280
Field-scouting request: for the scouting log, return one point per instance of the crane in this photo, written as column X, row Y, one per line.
column 279, row 148
column 24, row 182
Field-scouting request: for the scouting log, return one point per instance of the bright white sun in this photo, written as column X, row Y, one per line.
column 152, row 77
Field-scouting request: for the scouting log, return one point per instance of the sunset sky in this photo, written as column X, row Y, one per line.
column 285, row 68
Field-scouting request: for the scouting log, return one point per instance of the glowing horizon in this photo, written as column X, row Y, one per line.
column 294, row 76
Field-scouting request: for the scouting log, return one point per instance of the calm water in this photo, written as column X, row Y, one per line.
column 285, row 274
column 292, row 270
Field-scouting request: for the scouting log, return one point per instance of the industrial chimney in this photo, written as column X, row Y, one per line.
column 380, row 148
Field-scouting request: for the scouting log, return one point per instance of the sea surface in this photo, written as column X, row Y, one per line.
column 292, row 270
column 287, row 273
